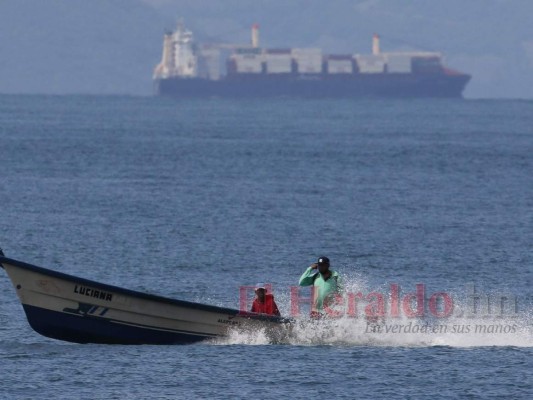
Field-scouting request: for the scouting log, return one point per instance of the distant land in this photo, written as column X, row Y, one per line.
column 112, row 46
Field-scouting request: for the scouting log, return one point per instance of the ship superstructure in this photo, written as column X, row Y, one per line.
column 179, row 57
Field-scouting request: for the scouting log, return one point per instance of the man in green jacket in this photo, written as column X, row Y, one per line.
column 326, row 284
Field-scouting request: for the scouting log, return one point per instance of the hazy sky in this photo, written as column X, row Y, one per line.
column 112, row 46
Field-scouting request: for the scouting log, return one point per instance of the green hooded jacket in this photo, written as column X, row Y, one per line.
column 311, row 277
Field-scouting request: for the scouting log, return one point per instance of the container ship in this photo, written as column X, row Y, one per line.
column 188, row 69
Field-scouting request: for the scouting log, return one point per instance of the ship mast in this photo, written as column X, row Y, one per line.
column 255, row 36
column 375, row 45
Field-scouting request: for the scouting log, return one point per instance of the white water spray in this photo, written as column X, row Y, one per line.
column 460, row 329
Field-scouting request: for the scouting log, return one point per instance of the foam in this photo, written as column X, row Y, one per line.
column 456, row 330
column 393, row 332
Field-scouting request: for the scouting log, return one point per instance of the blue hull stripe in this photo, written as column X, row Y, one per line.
column 86, row 329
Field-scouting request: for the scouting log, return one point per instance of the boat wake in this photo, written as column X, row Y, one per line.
column 461, row 328
column 516, row 332
column 392, row 333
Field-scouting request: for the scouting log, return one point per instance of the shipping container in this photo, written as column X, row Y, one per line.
column 209, row 63
column 426, row 65
column 309, row 65
column 248, row 50
column 278, row 63
column 371, row 64
column 338, row 65
column 399, row 63
column 308, row 60
column 248, row 63
column 309, row 51
column 278, row 51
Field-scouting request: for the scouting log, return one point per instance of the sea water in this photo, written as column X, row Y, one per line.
column 429, row 200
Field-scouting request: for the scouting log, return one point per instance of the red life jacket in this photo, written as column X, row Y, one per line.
column 268, row 307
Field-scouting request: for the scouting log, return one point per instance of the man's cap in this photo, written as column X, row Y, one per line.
column 260, row 286
column 323, row 260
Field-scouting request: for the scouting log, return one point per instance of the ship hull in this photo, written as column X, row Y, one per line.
column 350, row 86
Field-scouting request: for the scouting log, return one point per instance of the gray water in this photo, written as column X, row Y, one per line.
column 193, row 199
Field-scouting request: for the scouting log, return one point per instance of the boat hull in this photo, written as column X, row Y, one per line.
column 350, row 86
column 73, row 309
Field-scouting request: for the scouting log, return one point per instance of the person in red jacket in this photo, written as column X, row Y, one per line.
column 264, row 303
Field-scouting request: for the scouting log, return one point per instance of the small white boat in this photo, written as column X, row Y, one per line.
column 73, row 309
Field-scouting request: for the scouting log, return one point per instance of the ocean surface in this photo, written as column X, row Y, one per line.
column 194, row 199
